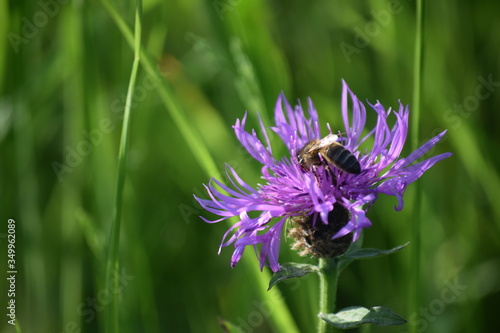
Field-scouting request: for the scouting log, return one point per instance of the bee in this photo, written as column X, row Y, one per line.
column 331, row 152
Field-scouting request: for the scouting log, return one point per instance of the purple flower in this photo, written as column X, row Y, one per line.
column 289, row 190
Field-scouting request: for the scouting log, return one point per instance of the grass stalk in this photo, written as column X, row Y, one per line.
column 112, row 281
column 190, row 135
column 416, row 248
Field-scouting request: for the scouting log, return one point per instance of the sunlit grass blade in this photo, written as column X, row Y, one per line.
column 190, row 135
column 246, row 81
column 281, row 316
column 418, row 73
column 477, row 165
column 4, row 26
column 112, row 278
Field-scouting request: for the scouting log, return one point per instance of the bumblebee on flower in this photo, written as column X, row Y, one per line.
column 325, row 186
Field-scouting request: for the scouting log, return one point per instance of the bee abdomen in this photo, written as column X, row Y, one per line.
column 343, row 159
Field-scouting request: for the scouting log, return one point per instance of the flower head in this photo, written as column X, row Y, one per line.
column 310, row 192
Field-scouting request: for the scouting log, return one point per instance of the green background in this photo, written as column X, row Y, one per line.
column 64, row 71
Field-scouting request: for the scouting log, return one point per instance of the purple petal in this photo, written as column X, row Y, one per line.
column 423, row 149
column 251, row 143
column 358, row 118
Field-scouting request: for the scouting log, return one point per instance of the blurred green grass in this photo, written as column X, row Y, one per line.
column 69, row 76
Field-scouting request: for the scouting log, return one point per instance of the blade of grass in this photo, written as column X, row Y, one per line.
column 71, row 267
column 28, row 193
column 281, row 316
column 247, row 82
column 112, row 280
column 4, row 26
column 192, row 137
column 477, row 165
column 418, row 74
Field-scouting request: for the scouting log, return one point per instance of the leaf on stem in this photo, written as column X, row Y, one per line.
column 357, row 253
column 372, row 253
column 291, row 270
column 355, row 316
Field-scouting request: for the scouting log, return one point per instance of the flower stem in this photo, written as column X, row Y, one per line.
column 328, row 275
column 112, row 281
column 418, row 73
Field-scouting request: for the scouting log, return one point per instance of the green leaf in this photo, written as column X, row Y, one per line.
column 291, row 270
column 355, row 252
column 355, row 316
column 371, row 253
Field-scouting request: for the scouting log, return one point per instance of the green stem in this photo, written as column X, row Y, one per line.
column 418, row 74
column 112, row 282
column 328, row 276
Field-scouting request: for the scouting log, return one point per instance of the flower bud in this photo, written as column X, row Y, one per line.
column 315, row 238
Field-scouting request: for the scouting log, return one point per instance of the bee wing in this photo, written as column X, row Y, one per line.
column 327, row 141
